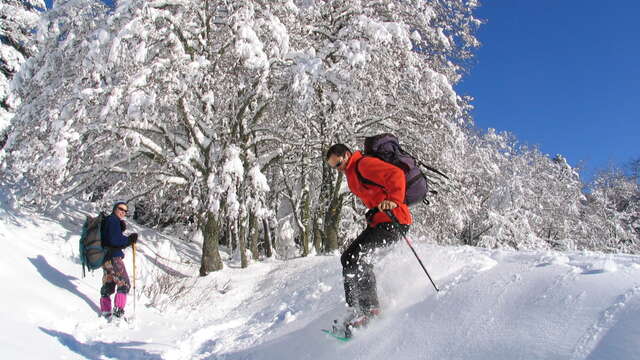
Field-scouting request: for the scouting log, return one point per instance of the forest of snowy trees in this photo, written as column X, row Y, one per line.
column 212, row 118
column 18, row 18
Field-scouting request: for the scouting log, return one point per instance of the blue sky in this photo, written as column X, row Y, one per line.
column 50, row 2
column 563, row 75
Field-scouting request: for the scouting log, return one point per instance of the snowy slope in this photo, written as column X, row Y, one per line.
column 492, row 304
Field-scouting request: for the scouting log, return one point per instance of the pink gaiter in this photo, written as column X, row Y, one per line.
column 105, row 304
column 121, row 300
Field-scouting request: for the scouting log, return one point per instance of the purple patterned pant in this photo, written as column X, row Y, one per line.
column 114, row 275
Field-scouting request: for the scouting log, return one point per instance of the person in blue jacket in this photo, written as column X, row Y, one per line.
column 114, row 271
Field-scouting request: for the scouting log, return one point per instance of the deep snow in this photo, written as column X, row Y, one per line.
column 493, row 304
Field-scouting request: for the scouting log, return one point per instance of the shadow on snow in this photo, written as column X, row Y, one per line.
column 97, row 350
column 59, row 279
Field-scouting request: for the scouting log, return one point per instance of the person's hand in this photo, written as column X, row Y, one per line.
column 133, row 238
column 387, row 205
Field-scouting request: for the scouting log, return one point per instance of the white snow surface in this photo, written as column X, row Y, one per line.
column 493, row 304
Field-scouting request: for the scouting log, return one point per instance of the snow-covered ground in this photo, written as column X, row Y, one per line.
column 493, row 304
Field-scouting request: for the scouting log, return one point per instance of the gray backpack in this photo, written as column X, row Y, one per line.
column 92, row 253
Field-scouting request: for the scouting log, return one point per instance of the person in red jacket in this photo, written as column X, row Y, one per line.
column 357, row 263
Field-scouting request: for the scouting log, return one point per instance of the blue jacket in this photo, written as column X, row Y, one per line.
column 112, row 237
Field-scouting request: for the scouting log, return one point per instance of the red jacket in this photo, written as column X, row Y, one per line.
column 389, row 176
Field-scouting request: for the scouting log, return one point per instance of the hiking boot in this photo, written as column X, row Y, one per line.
column 106, row 315
column 361, row 321
column 363, row 318
column 374, row 312
column 118, row 312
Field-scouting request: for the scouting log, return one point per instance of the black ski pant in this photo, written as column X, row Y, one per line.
column 357, row 264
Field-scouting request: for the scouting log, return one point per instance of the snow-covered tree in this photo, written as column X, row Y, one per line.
column 18, row 21
column 169, row 100
column 513, row 195
column 363, row 68
column 41, row 131
column 182, row 105
column 214, row 116
column 613, row 212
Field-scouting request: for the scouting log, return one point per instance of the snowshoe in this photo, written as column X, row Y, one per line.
column 336, row 335
column 351, row 322
column 106, row 315
column 118, row 313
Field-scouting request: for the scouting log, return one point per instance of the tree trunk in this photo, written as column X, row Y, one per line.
column 253, row 236
column 242, row 243
column 317, row 234
column 230, row 236
column 332, row 216
column 304, row 217
column 331, row 223
column 267, row 238
column 211, row 260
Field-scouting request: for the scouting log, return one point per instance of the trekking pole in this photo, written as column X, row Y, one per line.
column 134, row 276
column 395, row 220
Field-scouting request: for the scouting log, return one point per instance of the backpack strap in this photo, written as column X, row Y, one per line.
column 432, row 169
column 107, row 248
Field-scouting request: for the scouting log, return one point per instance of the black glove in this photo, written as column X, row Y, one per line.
column 123, row 226
column 133, row 238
